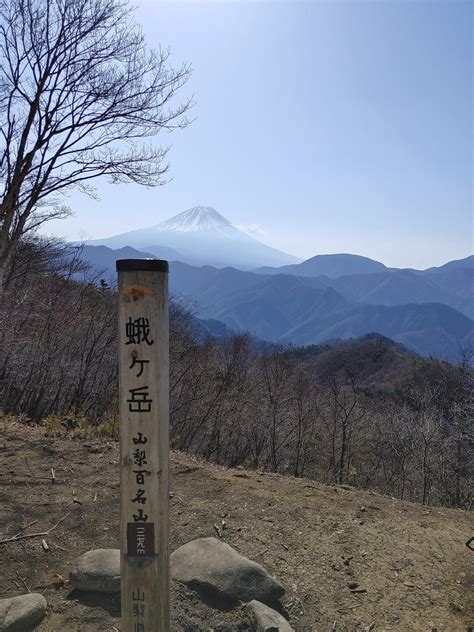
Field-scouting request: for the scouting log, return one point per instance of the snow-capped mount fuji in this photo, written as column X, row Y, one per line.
column 199, row 218
column 201, row 236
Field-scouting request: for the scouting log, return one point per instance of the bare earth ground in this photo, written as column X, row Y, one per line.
column 411, row 560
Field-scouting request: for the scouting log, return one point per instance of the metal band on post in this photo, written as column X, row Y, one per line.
column 144, row 444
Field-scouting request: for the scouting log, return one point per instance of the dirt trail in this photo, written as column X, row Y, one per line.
column 411, row 560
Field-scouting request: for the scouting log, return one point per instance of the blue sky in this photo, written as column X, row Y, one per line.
column 339, row 126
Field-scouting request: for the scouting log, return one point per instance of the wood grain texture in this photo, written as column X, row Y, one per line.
column 144, row 450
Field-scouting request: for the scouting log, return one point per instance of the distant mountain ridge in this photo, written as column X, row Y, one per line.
column 428, row 311
column 458, row 264
column 305, row 310
column 396, row 287
column 344, row 264
column 331, row 266
column 102, row 259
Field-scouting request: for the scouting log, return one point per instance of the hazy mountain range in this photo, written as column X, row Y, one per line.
column 328, row 265
column 323, row 298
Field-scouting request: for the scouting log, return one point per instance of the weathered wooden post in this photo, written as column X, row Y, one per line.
column 144, row 444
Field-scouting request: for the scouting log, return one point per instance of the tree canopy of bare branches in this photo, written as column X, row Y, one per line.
column 364, row 412
column 81, row 96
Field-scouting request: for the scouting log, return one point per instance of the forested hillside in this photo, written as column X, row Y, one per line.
column 365, row 412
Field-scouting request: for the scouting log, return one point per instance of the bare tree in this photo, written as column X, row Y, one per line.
column 80, row 94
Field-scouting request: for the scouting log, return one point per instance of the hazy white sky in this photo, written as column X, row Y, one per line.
column 338, row 126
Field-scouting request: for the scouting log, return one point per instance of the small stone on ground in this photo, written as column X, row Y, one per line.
column 268, row 620
column 97, row 571
column 211, row 565
column 23, row 613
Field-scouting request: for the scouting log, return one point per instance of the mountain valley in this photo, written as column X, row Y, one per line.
column 326, row 297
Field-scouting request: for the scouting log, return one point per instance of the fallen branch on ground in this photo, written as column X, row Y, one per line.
column 23, row 582
column 24, row 536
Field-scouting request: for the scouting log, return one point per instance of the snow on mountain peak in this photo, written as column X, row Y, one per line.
column 199, row 218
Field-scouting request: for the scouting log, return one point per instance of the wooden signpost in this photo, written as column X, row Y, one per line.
column 144, row 444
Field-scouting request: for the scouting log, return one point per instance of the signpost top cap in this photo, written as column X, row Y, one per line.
column 141, row 265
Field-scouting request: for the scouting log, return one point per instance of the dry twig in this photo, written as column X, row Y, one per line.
column 26, row 526
column 24, row 536
column 23, row 581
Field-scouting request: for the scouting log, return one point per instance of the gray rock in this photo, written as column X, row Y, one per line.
column 268, row 620
column 213, row 566
column 23, row 613
column 97, row 571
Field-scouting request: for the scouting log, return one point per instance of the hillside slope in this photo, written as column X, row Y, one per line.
column 316, row 539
